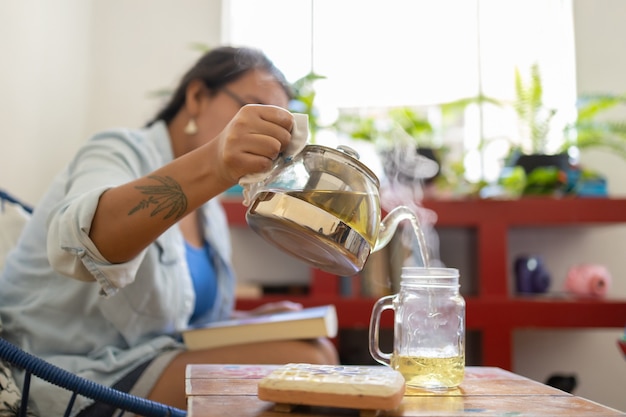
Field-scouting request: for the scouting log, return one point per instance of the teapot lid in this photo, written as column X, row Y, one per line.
column 339, row 162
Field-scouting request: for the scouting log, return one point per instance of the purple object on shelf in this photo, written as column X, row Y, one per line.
column 531, row 276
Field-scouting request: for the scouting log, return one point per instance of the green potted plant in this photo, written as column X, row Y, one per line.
column 535, row 121
column 530, row 168
column 546, row 174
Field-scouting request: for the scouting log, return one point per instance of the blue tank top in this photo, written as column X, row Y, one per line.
column 202, row 269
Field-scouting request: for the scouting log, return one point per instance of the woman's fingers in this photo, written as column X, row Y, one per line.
column 254, row 139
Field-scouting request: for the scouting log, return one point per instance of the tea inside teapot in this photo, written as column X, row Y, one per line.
column 294, row 222
column 323, row 207
column 349, row 207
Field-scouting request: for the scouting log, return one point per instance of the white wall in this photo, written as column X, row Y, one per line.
column 601, row 67
column 72, row 67
column 45, row 89
column 143, row 46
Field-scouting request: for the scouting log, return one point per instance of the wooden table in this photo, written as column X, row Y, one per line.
column 231, row 390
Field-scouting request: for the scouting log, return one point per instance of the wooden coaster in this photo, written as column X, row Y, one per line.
column 366, row 388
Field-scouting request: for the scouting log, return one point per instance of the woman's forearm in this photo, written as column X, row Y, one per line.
column 131, row 216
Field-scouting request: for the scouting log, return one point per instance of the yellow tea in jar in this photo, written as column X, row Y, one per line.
column 430, row 372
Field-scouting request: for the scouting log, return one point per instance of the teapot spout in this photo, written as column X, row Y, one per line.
column 390, row 224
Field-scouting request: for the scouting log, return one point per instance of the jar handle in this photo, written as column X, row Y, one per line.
column 384, row 303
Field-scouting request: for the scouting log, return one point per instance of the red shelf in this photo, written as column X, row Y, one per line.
column 492, row 311
column 529, row 211
column 493, row 218
column 484, row 313
column 235, row 211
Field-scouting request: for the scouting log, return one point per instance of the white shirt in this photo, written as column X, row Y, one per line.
column 133, row 311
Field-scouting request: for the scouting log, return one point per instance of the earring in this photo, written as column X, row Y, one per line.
column 191, row 128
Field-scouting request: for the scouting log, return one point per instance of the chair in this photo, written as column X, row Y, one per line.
column 13, row 216
column 5, row 196
column 33, row 365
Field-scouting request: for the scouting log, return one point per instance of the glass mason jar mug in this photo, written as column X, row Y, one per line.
column 429, row 328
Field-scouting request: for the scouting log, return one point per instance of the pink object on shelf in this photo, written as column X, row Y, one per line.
column 589, row 280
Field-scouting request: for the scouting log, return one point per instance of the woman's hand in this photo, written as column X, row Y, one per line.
column 253, row 140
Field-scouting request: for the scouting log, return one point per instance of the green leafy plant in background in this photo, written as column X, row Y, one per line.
column 533, row 116
column 304, row 100
column 453, row 110
column 380, row 128
column 545, row 181
column 357, row 127
column 414, row 124
column 513, row 181
column 589, row 131
column 452, row 176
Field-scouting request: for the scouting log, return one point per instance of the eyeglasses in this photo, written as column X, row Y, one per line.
column 235, row 97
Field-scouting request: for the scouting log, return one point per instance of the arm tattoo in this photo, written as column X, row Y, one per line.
column 166, row 196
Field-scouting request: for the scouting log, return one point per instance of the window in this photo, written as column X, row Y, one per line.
column 422, row 53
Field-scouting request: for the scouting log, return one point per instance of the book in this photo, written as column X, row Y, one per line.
column 308, row 323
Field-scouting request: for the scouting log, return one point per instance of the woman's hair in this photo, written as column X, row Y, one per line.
column 218, row 67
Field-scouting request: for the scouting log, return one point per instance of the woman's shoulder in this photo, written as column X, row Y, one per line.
column 153, row 133
column 152, row 142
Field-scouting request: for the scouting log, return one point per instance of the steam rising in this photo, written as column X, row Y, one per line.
column 405, row 172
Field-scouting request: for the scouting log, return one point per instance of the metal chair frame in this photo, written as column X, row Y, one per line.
column 40, row 368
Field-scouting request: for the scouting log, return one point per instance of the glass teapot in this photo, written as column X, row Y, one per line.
column 323, row 207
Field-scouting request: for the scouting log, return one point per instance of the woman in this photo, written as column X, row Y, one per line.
column 134, row 220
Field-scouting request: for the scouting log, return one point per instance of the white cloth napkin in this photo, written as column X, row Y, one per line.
column 299, row 138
